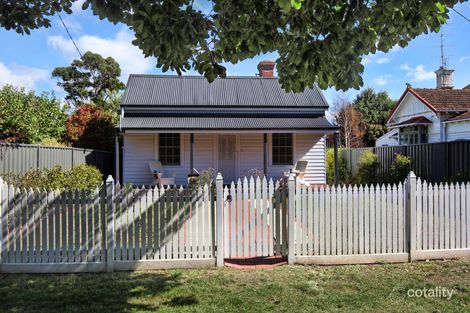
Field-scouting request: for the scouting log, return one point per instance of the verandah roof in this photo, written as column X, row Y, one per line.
column 226, row 123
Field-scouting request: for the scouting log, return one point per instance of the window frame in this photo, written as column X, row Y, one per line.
column 172, row 146
column 276, row 161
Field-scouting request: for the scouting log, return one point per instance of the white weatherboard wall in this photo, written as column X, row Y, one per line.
column 139, row 149
column 458, row 130
column 412, row 107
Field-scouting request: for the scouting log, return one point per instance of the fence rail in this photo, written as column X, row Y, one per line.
column 116, row 228
column 434, row 162
column 20, row 158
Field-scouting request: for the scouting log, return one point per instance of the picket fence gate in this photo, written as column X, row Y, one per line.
column 117, row 228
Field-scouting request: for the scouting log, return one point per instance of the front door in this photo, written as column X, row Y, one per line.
column 227, row 157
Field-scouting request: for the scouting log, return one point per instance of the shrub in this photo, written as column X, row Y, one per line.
column 399, row 168
column 80, row 177
column 368, row 163
column 343, row 173
column 52, row 142
column 90, row 127
column 28, row 118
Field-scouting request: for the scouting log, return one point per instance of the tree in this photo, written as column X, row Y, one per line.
column 90, row 127
column 349, row 120
column 91, row 78
column 319, row 41
column 374, row 108
column 28, row 118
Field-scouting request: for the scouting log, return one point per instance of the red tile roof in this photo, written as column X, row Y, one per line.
column 462, row 116
column 439, row 100
column 443, row 100
column 417, row 120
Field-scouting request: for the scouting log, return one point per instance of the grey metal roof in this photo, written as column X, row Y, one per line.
column 225, row 123
column 167, row 90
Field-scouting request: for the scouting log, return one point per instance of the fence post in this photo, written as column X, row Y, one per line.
column 219, row 185
column 110, row 223
column 291, row 220
column 411, row 214
column 2, row 209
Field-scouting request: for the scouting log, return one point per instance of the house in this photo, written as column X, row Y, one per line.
column 427, row 115
column 234, row 125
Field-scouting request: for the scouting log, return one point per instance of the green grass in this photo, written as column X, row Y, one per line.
column 361, row 288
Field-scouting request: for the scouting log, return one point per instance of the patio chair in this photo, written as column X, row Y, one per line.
column 159, row 179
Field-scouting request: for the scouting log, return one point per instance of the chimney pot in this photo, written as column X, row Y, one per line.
column 266, row 68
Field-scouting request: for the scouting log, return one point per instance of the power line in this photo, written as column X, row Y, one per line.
column 70, row 36
column 463, row 16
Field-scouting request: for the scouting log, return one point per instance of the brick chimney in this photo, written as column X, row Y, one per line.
column 266, row 68
column 444, row 78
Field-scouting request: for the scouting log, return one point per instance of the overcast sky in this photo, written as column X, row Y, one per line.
column 28, row 60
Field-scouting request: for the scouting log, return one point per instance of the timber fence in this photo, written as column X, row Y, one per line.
column 118, row 228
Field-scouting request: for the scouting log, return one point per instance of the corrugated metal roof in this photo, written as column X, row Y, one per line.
column 166, row 90
column 224, row 123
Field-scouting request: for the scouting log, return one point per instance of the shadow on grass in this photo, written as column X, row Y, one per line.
column 118, row 292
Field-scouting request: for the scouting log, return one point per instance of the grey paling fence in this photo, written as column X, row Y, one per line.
column 435, row 162
column 20, row 158
column 393, row 223
column 108, row 228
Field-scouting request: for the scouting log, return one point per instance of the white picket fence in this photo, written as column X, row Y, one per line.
column 389, row 223
column 116, row 228
column 111, row 228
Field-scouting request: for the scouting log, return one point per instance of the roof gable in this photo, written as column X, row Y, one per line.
column 196, row 91
column 409, row 98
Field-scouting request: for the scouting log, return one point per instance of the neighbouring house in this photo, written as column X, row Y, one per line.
column 428, row 115
column 235, row 125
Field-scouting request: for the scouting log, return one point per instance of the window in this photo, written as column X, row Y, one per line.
column 169, row 151
column 282, row 149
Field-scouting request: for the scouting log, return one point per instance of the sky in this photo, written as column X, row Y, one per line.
column 28, row 60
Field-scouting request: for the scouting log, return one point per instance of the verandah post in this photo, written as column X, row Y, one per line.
column 110, row 223
column 411, row 214
column 291, row 221
column 219, row 185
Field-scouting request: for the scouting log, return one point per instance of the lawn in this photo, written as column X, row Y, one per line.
column 362, row 288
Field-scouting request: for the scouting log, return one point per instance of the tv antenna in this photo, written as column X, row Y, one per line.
column 443, row 59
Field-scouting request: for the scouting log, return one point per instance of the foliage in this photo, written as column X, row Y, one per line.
column 367, row 167
column 374, row 108
column 206, row 177
column 343, row 171
column 91, row 78
column 79, row 177
column 52, row 142
column 399, row 168
column 319, row 42
column 253, row 172
column 372, row 132
column 349, row 120
column 28, row 118
column 90, row 127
